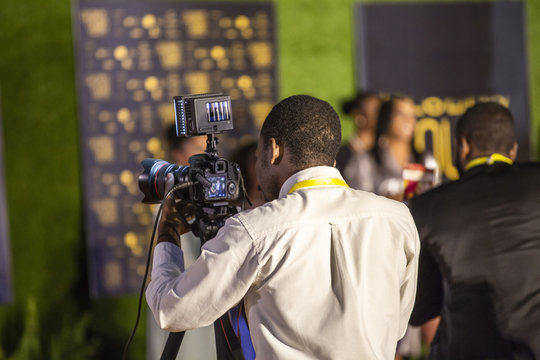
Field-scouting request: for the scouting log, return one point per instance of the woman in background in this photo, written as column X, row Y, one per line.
column 393, row 149
column 381, row 169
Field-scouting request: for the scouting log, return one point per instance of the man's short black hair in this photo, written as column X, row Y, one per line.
column 488, row 127
column 308, row 127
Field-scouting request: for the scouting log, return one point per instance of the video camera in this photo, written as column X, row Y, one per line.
column 209, row 184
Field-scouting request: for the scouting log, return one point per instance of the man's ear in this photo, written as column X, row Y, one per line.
column 513, row 151
column 465, row 149
column 276, row 151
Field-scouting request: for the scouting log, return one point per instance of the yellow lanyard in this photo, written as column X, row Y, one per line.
column 318, row 182
column 488, row 160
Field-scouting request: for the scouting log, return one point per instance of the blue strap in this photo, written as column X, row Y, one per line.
column 241, row 330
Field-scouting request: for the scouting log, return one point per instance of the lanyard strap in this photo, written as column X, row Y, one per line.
column 318, row 182
column 488, row 160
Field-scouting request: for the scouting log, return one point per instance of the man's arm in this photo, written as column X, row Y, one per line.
column 429, row 289
column 213, row 284
column 429, row 292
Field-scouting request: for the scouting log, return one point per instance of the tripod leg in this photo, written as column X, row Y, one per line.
column 227, row 344
column 172, row 345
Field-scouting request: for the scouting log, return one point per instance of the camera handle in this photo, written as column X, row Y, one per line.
column 211, row 144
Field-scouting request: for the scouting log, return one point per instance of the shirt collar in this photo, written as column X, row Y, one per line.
column 316, row 172
column 488, row 160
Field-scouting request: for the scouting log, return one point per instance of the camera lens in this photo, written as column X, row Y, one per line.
column 154, row 177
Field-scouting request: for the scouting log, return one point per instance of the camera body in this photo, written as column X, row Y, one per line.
column 221, row 174
column 210, row 183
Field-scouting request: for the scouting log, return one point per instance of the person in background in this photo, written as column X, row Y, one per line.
column 393, row 148
column 480, row 257
column 198, row 344
column 363, row 109
column 179, row 149
column 245, row 158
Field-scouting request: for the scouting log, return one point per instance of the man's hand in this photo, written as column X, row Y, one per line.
column 170, row 225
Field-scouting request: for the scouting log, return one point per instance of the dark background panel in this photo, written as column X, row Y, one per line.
column 447, row 50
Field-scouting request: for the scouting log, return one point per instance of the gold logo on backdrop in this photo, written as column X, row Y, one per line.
column 107, row 179
column 241, row 22
column 196, row 23
column 128, row 180
column 260, row 53
column 147, row 119
column 217, row 52
column 227, row 82
column 136, row 33
column 130, row 21
column 170, row 54
column 245, row 83
column 259, row 111
column 148, row 21
column 173, row 84
column 106, row 211
column 238, row 55
column 145, row 53
column 166, row 114
column 154, row 147
column 102, row 147
column 131, row 240
column 112, row 275
column 96, row 22
column 99, row 85
column 123, row 115
column 225, row 22
column 120, row 52
column 151, row 83
column 198, row 82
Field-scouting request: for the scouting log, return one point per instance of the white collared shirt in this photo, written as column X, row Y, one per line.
column 326, row 272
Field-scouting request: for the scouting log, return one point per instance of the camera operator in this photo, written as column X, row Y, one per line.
column 325, row 271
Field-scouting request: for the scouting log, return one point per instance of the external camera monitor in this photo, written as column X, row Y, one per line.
column 202, row 114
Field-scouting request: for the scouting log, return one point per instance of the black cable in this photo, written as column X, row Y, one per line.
column 243, row 188
column 139, row 308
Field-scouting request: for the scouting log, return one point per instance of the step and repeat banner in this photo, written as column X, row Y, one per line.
column 132, row 58
column 446, row 56
column 5, row 269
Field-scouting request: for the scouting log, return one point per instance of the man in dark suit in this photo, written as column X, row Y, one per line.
column 480, row 256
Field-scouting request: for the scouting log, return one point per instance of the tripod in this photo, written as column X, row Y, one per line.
column 227, row 344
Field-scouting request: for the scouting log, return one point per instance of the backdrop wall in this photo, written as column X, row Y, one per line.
column 52, row 313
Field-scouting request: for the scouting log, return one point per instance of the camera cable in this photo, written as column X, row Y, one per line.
column 148, row 259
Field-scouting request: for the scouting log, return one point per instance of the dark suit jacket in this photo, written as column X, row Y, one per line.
column 480, row 263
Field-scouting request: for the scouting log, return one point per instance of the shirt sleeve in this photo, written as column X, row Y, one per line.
column 182, row 300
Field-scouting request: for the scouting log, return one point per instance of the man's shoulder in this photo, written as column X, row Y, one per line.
column 530, row 167
column 306, row 206
column 517, row 170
